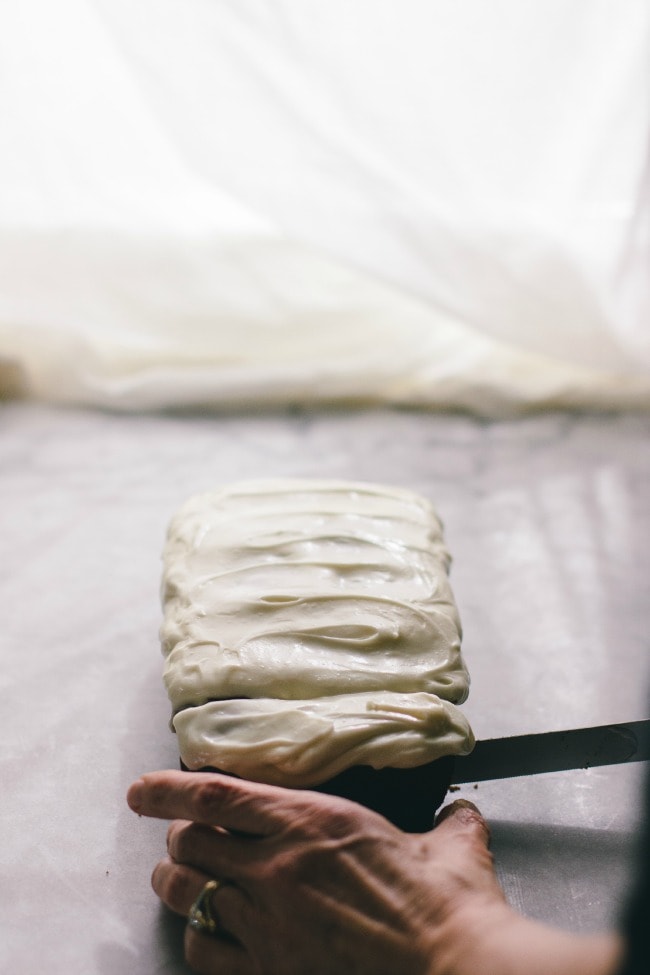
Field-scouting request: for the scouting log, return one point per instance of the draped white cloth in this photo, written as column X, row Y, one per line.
column 431, row 202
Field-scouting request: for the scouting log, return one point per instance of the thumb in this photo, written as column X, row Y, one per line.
column 464, row 836
column 463, row 818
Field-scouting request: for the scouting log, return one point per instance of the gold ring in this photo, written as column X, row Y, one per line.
column 200, row 916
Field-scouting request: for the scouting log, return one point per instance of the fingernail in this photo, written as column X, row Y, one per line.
column 453, row 808
column 466, row 804
column 135, row 795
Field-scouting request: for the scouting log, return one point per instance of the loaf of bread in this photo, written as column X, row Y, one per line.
column 309, row 628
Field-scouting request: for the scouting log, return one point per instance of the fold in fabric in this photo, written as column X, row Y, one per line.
column 437, row 204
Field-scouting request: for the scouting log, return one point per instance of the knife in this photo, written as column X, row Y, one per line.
column 554, row 751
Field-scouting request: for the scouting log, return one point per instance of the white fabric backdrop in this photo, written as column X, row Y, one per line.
column 419, row 201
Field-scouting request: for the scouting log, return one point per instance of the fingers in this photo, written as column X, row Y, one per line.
column 462, row 818
column 215, row 800
column 206, row 848
column 207, row 954
column 178, row 886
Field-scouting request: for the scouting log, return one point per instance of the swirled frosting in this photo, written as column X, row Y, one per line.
column 293, row 611
column 306, row 742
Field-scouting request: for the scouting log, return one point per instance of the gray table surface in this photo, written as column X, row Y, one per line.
column 548, row 521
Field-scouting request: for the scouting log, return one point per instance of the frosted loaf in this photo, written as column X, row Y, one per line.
column 309, row 626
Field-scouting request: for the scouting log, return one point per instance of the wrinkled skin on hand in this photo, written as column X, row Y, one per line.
column 315, row 884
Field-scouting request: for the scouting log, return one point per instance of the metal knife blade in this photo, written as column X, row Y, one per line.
column 554, row 751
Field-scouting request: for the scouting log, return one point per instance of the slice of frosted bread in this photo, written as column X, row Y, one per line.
column 309, row 626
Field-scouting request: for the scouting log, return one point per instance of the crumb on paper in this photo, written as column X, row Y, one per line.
column 454, row 788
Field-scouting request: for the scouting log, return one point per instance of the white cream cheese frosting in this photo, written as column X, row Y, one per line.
column 307, row 742
column 320, row 593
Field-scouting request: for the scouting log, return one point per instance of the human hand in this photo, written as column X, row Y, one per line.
column 312, row 883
